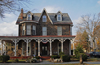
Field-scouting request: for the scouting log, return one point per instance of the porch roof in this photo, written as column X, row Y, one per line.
column 36, row 36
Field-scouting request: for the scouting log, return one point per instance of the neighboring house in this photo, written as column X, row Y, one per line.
column 41, row 34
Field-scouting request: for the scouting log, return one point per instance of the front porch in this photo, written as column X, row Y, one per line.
column 35, row 45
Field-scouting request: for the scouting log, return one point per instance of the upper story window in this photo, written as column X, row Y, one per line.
column 44, row 18
column 59, row 30
column 23, row 30
column 34, row 30
column 28, row 29
column 29, row 16
column 44, row 31
column 59, row 17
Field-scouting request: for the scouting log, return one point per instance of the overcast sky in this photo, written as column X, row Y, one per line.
column 75, row 9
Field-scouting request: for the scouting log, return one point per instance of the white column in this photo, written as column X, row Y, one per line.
column 27, row 48
column 1, row 47
column 50, row 48
column 38, row 48
column 61, row 45
column 15, row 49
column 70, row 48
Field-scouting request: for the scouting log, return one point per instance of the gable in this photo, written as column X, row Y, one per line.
column 45, row 13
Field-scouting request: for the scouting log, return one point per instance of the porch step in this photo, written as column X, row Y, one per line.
column 45, row 57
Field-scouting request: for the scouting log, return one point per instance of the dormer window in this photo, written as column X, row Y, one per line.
column 44, row 18
column 59, row 17
column 29, row 17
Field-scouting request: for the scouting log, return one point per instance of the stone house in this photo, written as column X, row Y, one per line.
column 40, row 34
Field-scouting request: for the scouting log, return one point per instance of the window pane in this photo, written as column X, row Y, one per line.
column 29, row 16
column 44, row 30
column 28, row 29
column 59, row 30
column 44, row 18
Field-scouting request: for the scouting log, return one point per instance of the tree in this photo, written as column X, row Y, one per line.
column 85, row 41
column 82, row 39
column 89, row 23
column 12, row 6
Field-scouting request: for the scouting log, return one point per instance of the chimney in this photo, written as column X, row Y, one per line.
column 22, row 13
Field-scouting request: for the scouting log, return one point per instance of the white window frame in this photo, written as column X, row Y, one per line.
column 44, row 18
column 59, row 30
column 29, row 16
column 34, row 29
column 23, row 30
column 59, row 17
column 44, row 31
column 28, row 30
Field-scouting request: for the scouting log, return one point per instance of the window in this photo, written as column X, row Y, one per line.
column 29, row 17
column 34, row 30
column 44, row 18
column 28, row 29
column 23, row 30
column 59, row 30
column 59, row 18
column 44, row 31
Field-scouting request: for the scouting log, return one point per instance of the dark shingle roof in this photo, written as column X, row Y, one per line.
column 65, row 18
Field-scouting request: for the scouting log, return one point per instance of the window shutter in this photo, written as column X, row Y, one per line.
column 34, row 30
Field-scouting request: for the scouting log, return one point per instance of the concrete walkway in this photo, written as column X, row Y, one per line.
column 47, row 62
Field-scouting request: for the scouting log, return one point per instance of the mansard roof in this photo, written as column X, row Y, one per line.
column 36, row 16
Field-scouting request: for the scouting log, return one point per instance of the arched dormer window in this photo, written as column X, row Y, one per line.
column 59, row 17
column 29, row 17
column 44, row 18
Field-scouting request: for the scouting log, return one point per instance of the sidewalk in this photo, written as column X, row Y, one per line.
column 47, row 62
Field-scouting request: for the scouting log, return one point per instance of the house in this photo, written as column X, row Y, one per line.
column 40, row 34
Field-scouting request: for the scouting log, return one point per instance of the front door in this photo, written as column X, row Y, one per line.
column 44, row 49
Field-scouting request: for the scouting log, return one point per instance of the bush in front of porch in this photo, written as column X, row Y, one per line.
column 4, row 58
column 62, row 56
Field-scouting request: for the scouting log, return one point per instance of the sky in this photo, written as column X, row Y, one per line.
column 75, row 9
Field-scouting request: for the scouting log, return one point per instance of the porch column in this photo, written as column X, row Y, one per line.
column 70, row 47
column 1, row 47
column 62, row 45
column 38, row 47
column 50, row 48
column 27, row 48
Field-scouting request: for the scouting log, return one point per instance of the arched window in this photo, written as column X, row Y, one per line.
column 44, row 18
column 29, row 17
column 59, row 17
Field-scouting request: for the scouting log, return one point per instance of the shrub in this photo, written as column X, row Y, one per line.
column 61, row 53
column 16, row 60
column 55, row 56
column 37, row 57
column 65, row 58
column 4, row 58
